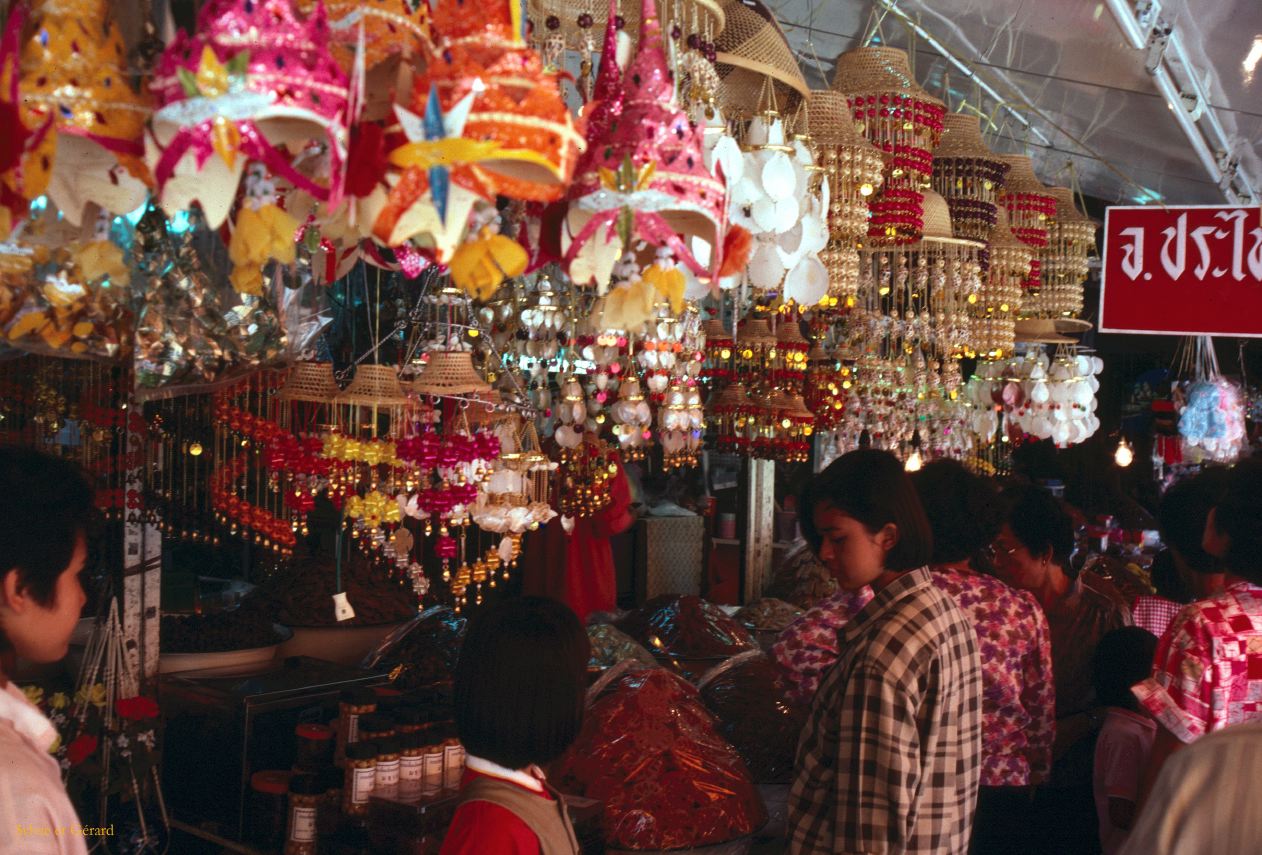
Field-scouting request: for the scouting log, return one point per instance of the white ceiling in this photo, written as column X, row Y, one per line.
column 1093, row 103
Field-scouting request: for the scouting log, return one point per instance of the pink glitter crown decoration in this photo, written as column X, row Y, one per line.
column 639, row 119
column 606, row 104
column 290, row 76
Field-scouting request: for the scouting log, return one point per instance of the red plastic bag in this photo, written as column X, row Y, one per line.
column 650, row 751
column 750, row 701
column 687, row 627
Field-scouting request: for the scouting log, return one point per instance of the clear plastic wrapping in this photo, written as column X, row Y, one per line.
column 687, row 627
column 609, row 647
column 425, row 649
column 750, row 702
column 652, row 754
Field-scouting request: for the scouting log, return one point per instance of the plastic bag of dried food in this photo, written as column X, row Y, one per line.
column 749, row 700
column 769, row 613
column 651, row 752
column 427, row 647
column 687, row 627
column 609, row 647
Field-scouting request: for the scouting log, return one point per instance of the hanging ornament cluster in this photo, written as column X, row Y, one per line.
column 994, row 314
column 969, row 177
column 1211, row 409
column 1030, row 206
column 905, row 123
column 1044, row 397
column 1064, row 263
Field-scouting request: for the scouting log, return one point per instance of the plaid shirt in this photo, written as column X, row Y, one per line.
column 890, row 758
column 1207, row 673
column 1155, row 614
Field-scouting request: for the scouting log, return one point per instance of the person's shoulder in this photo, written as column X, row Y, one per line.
column 481, row 827
column 916, row 627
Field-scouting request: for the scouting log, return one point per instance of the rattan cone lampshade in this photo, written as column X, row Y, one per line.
column 450, row 372
column 791, row 334
column 854, row 168
column 937, row 216
column 757, row 332
column 1070, row 240
column 995, row 312
column 374, row 385
column 755, row 63
column 968, row 176
column 714, row 330
column 310, row 381
column 1030, row 205
column 830, row 121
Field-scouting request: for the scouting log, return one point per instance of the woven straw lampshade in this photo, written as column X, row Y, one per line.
column 756, row 66
column 968, row 176
column 791, row 334
column 310, row 381
column 714, row 330
column 450, row 372
column 757, row 332
column 1030, row 206
column 937, row 216
column 853, row 165
column 1070, row 240
column 374, row 385
column 904, row 122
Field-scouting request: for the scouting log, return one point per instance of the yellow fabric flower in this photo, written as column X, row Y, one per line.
column 669, row 283
column 627, row 307
column 59, row 701
column 259, row 237
column 102, row 259
column 34, row 694
column 478, row 268
column 94, row 695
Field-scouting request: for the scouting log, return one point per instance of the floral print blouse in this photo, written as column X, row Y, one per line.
column 1018, row 690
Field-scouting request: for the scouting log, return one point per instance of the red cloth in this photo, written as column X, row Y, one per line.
column 578, row 568
column 482, row 828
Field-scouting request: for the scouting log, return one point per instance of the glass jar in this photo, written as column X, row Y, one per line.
column 314, row 748
column 374, row 727
column 361, row 778
column 408, row 720
column 387, row 781
column 305, row 794
column 389, row 698
column 411, row 766
column 352, row 706
column 269, row 791
column 453, row 763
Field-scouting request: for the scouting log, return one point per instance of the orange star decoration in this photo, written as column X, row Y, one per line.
column 212, row 80
column 479, row 268
column 260, row 236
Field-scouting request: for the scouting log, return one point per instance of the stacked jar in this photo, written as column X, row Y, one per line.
column 353, row 705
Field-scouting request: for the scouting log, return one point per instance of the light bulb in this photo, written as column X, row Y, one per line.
column 866, row 189
column 1124, row 456
column 914, row 461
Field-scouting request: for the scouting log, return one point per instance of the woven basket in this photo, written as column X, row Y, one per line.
column 874, row 70
column 310, row 381
column 962, row 137
column 830, row 121
column 789, row 333
column 697, row 16
column 482, row 410
column 732, row 397
column 1067, row 208
column 757, row 332
column 1002, row 236
column 374, row 385
column 449, row 372
column 1021, row 177
column 937, row 216
column 818, row 353
column 750, row 51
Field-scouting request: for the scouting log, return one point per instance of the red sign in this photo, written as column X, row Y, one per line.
column 1193, row 270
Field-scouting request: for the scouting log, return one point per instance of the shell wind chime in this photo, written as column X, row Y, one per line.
column 1070, row 240
column 998, row 305
column 1030, row 205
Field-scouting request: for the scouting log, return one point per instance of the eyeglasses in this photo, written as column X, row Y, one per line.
column 996, row 550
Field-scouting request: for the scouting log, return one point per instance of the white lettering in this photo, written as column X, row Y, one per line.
column 1175, row 266
column 1133, row 253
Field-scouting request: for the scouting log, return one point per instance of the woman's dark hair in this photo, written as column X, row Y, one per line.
column 45, row 508
column 1184, row 509
column 521, row 681
column 1039, row 520
column 1239, row 516
column 963, row 509
column 872, row 487
column 1122, row 658
column 1167, row 579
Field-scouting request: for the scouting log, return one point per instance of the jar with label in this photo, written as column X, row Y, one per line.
column 361, row 778
column 353, row 705
column 411, row 766
column 305, row 793
column 453, row 763
column 432, row 766
column 387, row 783
column 331, row 802
column 269, row 794
column 374, row 727
column 314, row 748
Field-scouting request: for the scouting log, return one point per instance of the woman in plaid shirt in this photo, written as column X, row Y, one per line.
column 890, row 758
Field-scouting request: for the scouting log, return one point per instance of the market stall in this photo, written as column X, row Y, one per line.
column 360, row 313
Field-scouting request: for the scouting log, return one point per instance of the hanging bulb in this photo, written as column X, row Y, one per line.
column 1124, row 456
column 914, row 461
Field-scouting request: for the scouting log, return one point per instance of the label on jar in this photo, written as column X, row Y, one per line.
column 411, row 775
column 362, row 784
column 387, row 775
column 302, row 824
column 453, row 765
column 352, row 728
column 432, row 779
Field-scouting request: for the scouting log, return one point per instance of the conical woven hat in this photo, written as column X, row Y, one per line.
column 449, row 372
column 871, row 70
column 310, row 381
column 750, row 50
column 1067, row 208
column 374, row 385
column 1002, row 237
column 937, row 216
column 831, row 121
column 1021, row 177
column 962, row 137
column 757, row 331
column 732, row 397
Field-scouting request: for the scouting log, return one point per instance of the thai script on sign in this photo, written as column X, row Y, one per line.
column 1221, row 248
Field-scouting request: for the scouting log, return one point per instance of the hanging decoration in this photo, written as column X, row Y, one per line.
column 755, row 63
column 969, row 177
column 1211, row 408
column 1064, row 263
column 1029, row 205
column 905, row 123
column 1047, row 397
column 994, row 314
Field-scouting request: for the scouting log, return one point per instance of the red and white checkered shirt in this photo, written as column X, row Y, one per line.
column 1155, row 614
column 1207, row 673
